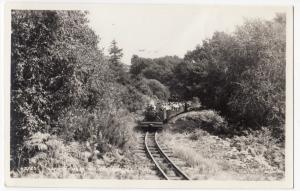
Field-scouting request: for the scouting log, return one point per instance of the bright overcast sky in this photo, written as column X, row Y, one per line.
column 159, row 30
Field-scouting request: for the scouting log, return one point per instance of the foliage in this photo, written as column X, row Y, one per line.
column 208, row 120
column 83, row 124
column 120, row 133
column 115, row 53
column 259, row 96
column 158, row 89
column 204, row 72
column 117, row 68
column 134, row 99
column 254, row 75
column 150, row 88
column 161, row 69
column 51, row 54
column 141, row 84
column 45, row 153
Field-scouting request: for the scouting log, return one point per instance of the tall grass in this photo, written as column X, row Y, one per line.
column 207, row 167
column 195, row 160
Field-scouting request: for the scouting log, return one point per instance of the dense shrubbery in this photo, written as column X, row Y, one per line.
column 150, row 88
column 48, row 155
column 161, row 69
column 208, row 120
column 158, row 90
column 134, row 99
column 47, row 69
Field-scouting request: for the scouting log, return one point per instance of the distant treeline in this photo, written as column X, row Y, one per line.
column 240, row 74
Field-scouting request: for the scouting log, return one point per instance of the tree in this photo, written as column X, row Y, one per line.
column 259, row 86
column 138, row 65
column 115, row 55
column 161, row 69
column 240, row 74
column 37, row 75
column 52, row 56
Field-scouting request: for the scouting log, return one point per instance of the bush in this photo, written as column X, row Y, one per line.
column 261, row 143
column 46, row 154
column 82, row 125
column 120, row 132
column 158, row 89
column 208, row 120
column 134, row 100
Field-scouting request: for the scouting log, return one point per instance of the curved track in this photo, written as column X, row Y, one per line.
column 167, row 169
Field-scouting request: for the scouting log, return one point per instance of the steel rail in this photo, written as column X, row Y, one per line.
column 169, row 160
column 152, row 158
column 163, row 156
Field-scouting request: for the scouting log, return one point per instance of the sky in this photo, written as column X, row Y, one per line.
column 158, row 30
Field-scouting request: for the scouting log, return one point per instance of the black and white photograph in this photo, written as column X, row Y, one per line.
column 192, row 94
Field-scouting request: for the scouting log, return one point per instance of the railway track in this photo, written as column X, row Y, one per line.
column 158, row 154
